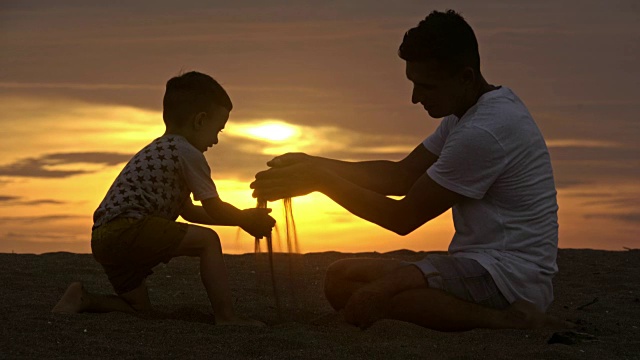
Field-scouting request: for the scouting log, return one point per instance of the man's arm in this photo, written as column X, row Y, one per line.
column 425, row 200
column 383, row 177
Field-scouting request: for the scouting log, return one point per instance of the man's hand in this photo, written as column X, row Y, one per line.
column 289, row 159
column 367, row 305
column 277, row 183
column 257, row 222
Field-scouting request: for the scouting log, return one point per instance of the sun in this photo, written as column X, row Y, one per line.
column 272, row 131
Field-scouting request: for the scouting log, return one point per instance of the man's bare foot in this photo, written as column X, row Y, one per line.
column 240, row 320
column 72, row 300
column 524, row 315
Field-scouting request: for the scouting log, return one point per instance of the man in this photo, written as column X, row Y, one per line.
column 487, row 161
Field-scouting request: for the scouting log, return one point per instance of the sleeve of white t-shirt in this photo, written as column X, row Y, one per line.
column 470, row 161
column 435, row 142
column 197, row 174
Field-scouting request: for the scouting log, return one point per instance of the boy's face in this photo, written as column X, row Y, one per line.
column 207, row 127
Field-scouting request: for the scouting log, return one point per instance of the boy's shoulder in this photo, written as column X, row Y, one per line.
column 167, row 145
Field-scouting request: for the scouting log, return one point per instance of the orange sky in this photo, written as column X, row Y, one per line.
column 81, row 88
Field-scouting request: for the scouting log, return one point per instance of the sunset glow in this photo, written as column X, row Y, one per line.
column 82, row 88
column 269, row 130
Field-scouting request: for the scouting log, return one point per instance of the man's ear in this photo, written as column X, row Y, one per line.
column 468, row 76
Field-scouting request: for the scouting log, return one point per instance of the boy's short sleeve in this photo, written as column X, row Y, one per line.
column 197, row 175
column 469, row 163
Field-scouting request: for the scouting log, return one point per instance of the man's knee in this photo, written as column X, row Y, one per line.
column 340, row 268
column 336, row 272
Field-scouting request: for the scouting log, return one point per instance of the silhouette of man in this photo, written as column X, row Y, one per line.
column 487, row 161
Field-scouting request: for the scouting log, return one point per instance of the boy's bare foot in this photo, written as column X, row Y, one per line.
column 72, row 300
column 240, row 320
column 524, row 315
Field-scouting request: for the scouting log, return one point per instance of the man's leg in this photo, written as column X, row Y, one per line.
column 205, row 243
column 431, row 308
column 76, row 300
column 437, row 310
column 346, row 276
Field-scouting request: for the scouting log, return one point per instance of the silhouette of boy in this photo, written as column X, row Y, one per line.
column 134, row 226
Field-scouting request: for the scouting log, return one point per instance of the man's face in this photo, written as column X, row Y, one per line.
column 435, row 88
column 209, row 127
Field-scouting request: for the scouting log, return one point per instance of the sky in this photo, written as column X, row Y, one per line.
column 81, row 86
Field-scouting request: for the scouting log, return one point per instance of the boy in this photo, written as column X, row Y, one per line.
column 134, row 226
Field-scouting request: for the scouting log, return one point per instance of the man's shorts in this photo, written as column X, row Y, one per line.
column 129, row 248
column 463, row 278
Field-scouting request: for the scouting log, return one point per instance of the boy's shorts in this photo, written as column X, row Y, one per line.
column 129, row 248
column 463, row 278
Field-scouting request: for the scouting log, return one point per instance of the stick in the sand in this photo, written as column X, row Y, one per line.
column 261, row 205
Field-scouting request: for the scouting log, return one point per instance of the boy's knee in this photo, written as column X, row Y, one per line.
column 198, row 240
column 211, row 239
column 208, row 242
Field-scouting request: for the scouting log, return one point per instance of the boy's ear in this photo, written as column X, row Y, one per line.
column 198, row 120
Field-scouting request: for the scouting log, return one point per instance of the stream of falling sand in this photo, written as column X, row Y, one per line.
column 292, row 247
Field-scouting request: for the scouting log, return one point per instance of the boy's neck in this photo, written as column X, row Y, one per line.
column 174, row 131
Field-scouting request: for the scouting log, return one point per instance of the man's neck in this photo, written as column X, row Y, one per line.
column 480, row 89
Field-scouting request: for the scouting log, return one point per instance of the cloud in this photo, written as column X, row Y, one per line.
column 77, row 86
column 40, row 167
column 38, row 219
column 15, row 200
column 630, row 217
column 39, row 236
column 582, row 153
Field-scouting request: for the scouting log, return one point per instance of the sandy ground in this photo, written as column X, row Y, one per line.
column 598, row 290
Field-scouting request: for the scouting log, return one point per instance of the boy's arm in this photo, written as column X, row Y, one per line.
column 382, row 176
column 214, row 211
column 197, row 214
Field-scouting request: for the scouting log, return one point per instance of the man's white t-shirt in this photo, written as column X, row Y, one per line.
column 497, row 158
column 157, row 181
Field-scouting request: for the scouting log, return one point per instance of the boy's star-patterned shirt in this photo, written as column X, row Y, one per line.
column 158, row 181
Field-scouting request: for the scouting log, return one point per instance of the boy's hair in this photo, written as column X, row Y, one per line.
column 445, row 37
column 189, row 94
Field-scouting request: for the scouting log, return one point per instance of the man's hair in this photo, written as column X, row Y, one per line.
column 189, row 94
column 444, row 37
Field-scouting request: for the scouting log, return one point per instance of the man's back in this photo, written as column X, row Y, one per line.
column 496, row 156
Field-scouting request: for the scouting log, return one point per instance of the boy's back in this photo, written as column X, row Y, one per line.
column 157, row 181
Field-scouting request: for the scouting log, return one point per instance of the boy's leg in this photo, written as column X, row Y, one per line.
column 431, row 308
column 76, row 300
column 205, row 243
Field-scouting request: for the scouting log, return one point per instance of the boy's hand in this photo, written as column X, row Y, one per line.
column 257, row 222
column 288, row 159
